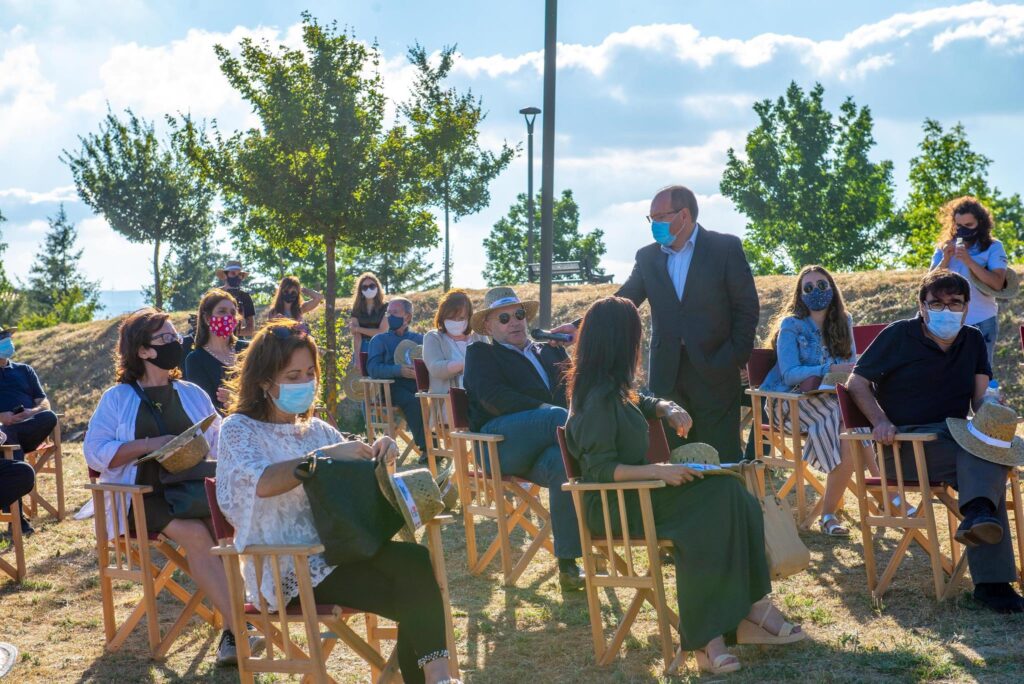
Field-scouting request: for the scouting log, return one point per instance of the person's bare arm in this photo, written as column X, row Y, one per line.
column 860, row 389
column 130, row 451
column 980, row 387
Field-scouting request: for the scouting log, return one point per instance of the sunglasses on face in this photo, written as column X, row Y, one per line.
column 504, row 317
column 820, row 284
column 283, row 333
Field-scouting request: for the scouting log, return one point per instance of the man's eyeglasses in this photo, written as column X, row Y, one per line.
column 166, row 338
column 284, row 332
column 955, row 307
column 504, row 317
column 662, row 217
column 820, row 284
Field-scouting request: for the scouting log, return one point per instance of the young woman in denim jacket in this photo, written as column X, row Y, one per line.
column 813, row 336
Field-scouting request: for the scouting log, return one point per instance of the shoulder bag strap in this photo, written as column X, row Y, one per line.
column 148, row 403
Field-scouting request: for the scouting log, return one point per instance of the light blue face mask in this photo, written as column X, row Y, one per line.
column 295, row 398
column 945, row 324
column 6, row 348
column 662, row 232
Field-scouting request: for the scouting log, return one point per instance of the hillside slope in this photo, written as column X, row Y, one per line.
column 75, row 362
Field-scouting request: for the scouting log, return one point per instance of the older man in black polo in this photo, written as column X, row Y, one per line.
column 516, row 390
column 914, row 376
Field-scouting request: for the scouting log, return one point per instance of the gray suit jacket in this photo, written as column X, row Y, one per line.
column 716, row 318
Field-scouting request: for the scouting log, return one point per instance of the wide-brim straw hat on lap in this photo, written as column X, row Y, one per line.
column 1010, row 288
column 413, row 493
column 406, row 351
column 502, row 297
column 185, row 450
column 990, row 434
column 354, row 388
column 695, row 452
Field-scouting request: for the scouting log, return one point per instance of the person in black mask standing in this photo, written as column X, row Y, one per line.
column 232, row 276
column 293, row 301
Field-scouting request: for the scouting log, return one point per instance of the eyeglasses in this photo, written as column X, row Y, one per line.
column 504, row 317
column 662, row 217
column 166, row 338
column 937, row 306
column 284, row 332
column 820, row 284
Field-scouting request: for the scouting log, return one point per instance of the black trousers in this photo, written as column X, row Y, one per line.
column 16, row 480
column 30, row 433
column 398, row 584
column 715, row 411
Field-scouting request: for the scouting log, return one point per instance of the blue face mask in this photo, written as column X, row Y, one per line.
column 6, row 348
column 395, row 322
column 945, row 324
column 295, row 398
column 662, row 232
column 817, row 300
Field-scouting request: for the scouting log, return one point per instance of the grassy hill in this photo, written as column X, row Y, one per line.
column 75, row 362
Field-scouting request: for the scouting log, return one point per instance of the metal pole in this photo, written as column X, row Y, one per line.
column 547, row 180
column 529, row 194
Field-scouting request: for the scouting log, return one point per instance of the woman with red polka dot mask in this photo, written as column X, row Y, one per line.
column 216, row 346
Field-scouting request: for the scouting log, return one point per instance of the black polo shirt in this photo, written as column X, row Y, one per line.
column 915, row 381
column 19, row 386
column 245, row 305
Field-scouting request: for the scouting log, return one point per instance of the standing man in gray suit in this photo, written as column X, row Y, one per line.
column 704, row 311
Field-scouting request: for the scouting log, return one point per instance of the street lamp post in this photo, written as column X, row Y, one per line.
column 529, row 114
column 547, row 180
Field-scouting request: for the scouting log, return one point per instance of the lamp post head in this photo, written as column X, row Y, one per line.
column 530, row 114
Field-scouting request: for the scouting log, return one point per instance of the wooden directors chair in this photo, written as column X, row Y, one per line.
column 127, row 556
column 48, row 459
column 382, row 417
column 13, row 518
column 875, row 496
column 615, row 560
column 864, row 335
column 435, row 418
column 485, row 492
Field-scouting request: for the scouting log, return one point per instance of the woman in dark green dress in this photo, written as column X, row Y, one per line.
column 716, row 526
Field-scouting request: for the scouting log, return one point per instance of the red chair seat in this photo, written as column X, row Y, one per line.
column 325, row 609
column 909, row 484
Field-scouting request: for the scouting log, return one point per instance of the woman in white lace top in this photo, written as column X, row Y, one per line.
column 267, row 433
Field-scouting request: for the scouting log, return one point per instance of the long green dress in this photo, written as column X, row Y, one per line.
column 716, row 526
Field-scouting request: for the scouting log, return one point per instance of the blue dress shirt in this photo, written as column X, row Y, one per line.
column 679, row 262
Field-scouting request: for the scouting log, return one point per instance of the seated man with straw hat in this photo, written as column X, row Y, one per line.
column 924, row 375
column 516, row 390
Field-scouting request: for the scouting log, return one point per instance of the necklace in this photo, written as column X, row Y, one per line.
column 227, row 361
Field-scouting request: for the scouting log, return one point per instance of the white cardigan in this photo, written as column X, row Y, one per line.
column 438, row 350
column 113, row 423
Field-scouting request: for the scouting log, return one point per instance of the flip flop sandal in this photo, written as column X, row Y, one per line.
column 831, row 527
column 749, row 632
column 724, row 663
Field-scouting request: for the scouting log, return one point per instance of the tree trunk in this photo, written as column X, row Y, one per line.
column 158, row 295
column 331, row 343
column 447, row 257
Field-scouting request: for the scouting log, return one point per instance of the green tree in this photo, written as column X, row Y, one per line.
column 807, row 187
column 57, row 292
column 945, row 168
column 506, row 245
column 446, row 129
column 12, row 304
column 147, row 191
column 187, row 273
column 321, row 169
column 400, row 271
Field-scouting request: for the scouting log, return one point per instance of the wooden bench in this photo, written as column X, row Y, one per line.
column 568, row 272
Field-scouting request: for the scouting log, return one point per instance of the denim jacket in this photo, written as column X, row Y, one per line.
column 801, row 355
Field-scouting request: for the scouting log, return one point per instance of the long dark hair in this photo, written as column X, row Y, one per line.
column 835, row 332
column 966, row 205
column 607, row 352
column 281, row 307
column 360, row 305
column 207, row 304
column 136, row 332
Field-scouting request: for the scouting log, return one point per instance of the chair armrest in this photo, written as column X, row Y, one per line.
column 269, row 550
column 8, row 450
column 774, row 395
column 900, row 436
column 376, row 381
column 477, row 436
column 575, row 486
column 122, row 488
column 431, row 395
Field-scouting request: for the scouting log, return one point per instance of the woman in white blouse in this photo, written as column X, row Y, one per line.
column 124, row 428
column 269, row 430
column 444, row 348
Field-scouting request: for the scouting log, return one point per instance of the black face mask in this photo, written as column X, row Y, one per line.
column 168, row 356
column 290, row 297
column 234, row 281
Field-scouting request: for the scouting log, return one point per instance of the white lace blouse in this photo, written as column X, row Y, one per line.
column 247, row 448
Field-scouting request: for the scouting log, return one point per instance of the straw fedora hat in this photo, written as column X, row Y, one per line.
column 406, row 351
column 501, row 297
column 233, row 265
column 990, row 434
column 413, row 493
column 185, row 450
column 695, row 452
column 1009, row 291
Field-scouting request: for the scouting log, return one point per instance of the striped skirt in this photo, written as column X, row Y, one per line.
column 819, row 418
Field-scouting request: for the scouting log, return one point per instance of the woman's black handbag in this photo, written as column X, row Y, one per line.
column 351, row 515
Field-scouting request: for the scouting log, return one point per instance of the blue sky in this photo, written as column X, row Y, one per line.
column 648, row 93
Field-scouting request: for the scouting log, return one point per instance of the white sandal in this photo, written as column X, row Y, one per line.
column 749, row 632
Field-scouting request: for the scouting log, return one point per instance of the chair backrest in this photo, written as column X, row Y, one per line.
column 221, row 527
column 761, row 361
column 657, row 450
column 572, row 468
column 422, row 375
column 864, row 335
column 460, row 408
column 853, row 417
column 94, row 475
column 364, row 358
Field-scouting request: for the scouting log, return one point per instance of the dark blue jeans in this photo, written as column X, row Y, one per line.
column 403, row 395
column 530, row 451
column 16, row 480
column 30, row 433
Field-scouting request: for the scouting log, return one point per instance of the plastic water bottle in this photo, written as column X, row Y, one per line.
column 992, row 393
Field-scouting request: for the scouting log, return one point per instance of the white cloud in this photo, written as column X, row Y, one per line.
column 713, row 106
column 26, row 97
column 866, row 66
column 65, row 193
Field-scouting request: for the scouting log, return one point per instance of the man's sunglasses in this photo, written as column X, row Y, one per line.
column 820, row 284
column 504, row 317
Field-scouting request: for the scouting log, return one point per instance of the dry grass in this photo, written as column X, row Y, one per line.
column 533, row 631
